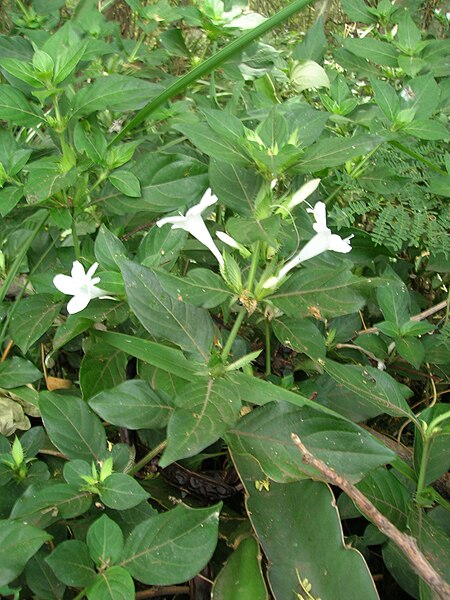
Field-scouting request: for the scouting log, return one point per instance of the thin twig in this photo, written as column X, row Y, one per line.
column 419, row 317
column 163, row 591
column 406, row 543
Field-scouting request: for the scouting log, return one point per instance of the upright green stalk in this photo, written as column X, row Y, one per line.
column 212, row 63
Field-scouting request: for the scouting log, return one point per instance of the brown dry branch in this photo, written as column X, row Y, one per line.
column 419, row 317
column 405, row 543
column 163, row 591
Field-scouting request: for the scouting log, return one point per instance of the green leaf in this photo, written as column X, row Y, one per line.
column 17, row 371
column 426, row 129
column 109, row 250
column 320, row 292
column 9, row 198
column 235, row 186
column 388, row 328
column 314, row 44
column 67, row 60
column 203, row 412
column 333, row 152
column 90, row 141
column 105, row 541
column 21, row 70
column 126, row 182
column 41, row 579
column 46, row 178
column 200, row 287
column 101, row 370
column 381, row 53
column 241, row 577
column 408, row 36
column 183, row 324
column 265, row 433
column 133, row 404
column 160, row 356
column 373, row 386
column 121, row 491
column 394, row 301
column 415, row 328
column 72, row 427
column 313, row 534
column 33, row 317
column 250, row 230
column 113, row 92
column 214, row 145
column 388, row 495
column 113, row 584
column 46, row 505
column 73, row 326
column 357, row 11
column 15, row 107
column 273, row 130
column 72, row 564
column 309, row 75
column 300, row 335
column 172, row 547
column 411, row 349
column 386, row 98
column 18, row 543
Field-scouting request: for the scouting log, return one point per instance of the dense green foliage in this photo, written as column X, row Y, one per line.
column 306, row 294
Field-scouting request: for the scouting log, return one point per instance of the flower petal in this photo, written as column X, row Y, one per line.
column 316, row 245
column 92, row 270
column 304, row 192
column 197, row 228
column 320, row 215
column 65, row 284
column 337, row 244
column 96, row 292
column 208, row 199
column 174, row 219
column 227, row 239
column 77, row 270
column 78, row 303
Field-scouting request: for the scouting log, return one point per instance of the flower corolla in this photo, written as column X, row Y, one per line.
column 80, row 285
column 321, row 242
column 193, row 223
column 304, row 192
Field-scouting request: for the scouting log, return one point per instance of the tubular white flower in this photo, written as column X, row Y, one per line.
column 323, row 240
column 228, row 240
column 80, row 285
column 304, row 192
column 193, row 223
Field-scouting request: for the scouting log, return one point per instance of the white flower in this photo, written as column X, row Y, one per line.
column 80, row 285
column 193, row 223
column 228, row 240
column 304, row 192
column 323, row 240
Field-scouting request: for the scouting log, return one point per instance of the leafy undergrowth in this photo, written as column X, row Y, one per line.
column 224, row 307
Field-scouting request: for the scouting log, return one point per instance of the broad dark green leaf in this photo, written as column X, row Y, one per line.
column 21, row 70
column 161, row 247
column 319, row 292
column 381, row 53
column 72, row 564
column 41, row 579
column 394, row 301
column 121, row 491
column 72, row 427
column 241, row 576
column 113, row 584
column 203, row 412
column 46, row 505
column 306, row 122
column 46, row 178
column 373, row 386
column 438, row 457
column 113, row 92
column 90, row 141
column 250, row 230
column 9, row 198
column 33, row 317
column 235, row 185
column 357, row 11
column 109, row 250
column 18, row 543
column 189, row 327
column 73, row 326
column 172, row 547
column 300, row 532
column 411, row 349
column 15, row 107
column 101, row 370
column 386, row 98
column 67, row 60
column 133, row 404
column 200, row 287
column 265, row 434
column 158, row 355
column 126, row 182
column 17, row 371
column 390, row 497
column 426, row 129
column 300, row 335
column 105, row 541
column 219, row 147
column 333, row 152
column 314, row 44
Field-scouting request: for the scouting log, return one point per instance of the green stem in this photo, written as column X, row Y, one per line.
column 138, row 44
column 233, row 333
column 212, row 82
column 76, row 241
column 16, row 264
column 22, row 8
column 253, row 266
column 106, row 5
column 210, row 64
column 80, row 595
column 268, row 356
column 147, row 458
column 417, row 156
column 423, row 464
